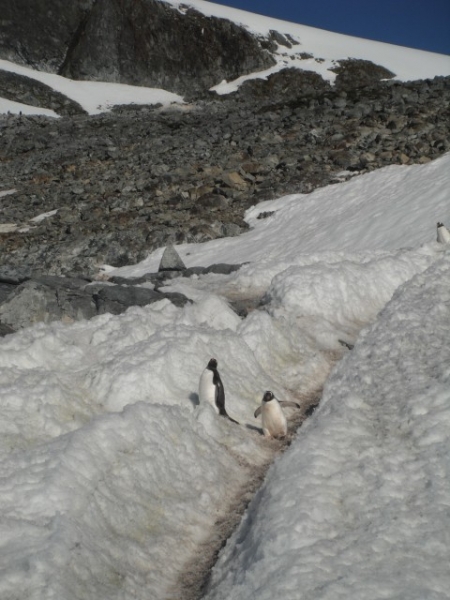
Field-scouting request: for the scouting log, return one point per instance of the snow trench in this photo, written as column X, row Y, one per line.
column 115, row 483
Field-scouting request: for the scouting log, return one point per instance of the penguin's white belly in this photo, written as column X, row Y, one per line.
column 206, row 388
column 274, row 422
column 443, row 235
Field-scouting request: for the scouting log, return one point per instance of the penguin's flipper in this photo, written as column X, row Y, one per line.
column 220, row 396
column 289, row 403
column 258, row 411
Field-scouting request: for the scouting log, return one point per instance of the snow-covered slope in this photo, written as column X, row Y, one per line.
column 112, row 476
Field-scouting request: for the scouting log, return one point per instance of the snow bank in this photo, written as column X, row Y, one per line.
column 359, row 505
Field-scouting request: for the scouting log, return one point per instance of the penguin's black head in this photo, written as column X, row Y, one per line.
column 212, row 364
column 268, row 396
column 440, row 224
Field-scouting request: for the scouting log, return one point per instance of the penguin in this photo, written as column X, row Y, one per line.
column 443, row 234
column 274, row 423
column 210, row 389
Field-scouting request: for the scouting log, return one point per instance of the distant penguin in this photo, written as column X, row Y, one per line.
column 443, row 234
column 274, row 423
column 211, row 389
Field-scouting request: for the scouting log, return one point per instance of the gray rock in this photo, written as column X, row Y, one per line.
column 170, row 260
column 5, row 330
column 117, row 299
column 45, row 300
column 30, row 91
column 14, row 275
column 222, row 268
column 51, row 298
column 6, row 289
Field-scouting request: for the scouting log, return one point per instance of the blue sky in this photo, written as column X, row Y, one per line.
column 423, row 24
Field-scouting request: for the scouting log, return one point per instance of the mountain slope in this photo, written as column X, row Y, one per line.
column 184, row 47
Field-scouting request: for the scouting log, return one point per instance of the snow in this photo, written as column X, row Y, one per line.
column 43, row 216
column 7, row 192
column 113, row 476
column 93, row 96
column 17, row 108
column 359, row 507
column 326, row 49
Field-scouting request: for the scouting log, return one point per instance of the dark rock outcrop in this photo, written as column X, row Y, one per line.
column 47, row 299
column 26, row 299
column 140, row 42
column 117, row 299
column 68, row 299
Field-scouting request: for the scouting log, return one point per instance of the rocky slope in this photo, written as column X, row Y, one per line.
column 115, row 186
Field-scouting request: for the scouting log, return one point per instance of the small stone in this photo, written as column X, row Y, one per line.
column 404, row 159
column 234, row 180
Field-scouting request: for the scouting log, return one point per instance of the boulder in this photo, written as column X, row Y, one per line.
column 47, row 299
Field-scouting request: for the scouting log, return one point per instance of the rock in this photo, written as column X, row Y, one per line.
column 5, row 290
column 147, row 43
column 211, row 201
column 279, row 38
column 47, row 299
column 117, row 299
column 222, row 268
column 403, row 159
column 234, row 180
column 14, row 275
column 5, row 330
column 25, row 90
column 171, row 261
column 353, row 73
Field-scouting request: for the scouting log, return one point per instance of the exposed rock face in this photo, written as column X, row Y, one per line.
column 141, row 42
column 26, row 299
column 37, row 34
column 46, row 299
